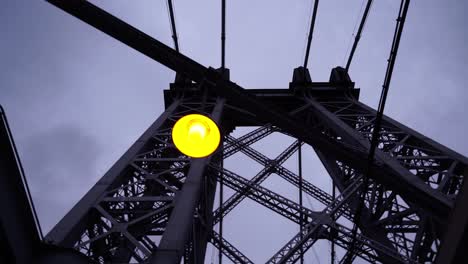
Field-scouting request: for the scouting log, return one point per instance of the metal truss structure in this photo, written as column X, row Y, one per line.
column 156, row 205
column 155, row 194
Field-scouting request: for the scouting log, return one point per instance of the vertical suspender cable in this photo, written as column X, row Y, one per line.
column 301, row 221
column 223, row 33
column 333, row 253
column 358, row 34
column 173, row 26
column 378, row 120
column 221, row 182
column 220, row 252
column 311, row 32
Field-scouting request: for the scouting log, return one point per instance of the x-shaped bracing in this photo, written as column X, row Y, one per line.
column 334, row 207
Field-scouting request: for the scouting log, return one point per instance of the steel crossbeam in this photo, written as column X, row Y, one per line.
column 231, row 147
column 229, row 250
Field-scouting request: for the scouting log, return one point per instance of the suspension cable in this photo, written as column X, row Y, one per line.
column 221, row 201
column 173, row 25
column 223, row 33
column 311, row 32
column 350, row 42
column 301, row 221
column 221, row 182
column 333, row 250
column 358, row 35
column 378, row 121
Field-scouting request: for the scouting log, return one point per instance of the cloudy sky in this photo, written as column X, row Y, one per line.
column 76, row 99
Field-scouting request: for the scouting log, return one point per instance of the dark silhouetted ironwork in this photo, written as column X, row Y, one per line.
column 156, row 205
column 21, row 238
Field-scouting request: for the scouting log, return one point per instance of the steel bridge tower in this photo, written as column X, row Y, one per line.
column 156, row 205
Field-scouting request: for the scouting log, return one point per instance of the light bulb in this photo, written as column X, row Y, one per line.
column 196, row 135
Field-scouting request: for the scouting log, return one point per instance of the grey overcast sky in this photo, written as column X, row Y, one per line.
column 76, row 99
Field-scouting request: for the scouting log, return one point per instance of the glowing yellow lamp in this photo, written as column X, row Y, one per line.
column 196, row 136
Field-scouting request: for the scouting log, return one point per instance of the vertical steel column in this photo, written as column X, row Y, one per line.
column 179, row 227
column 203, row 224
